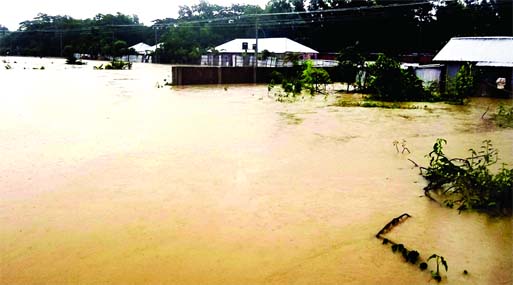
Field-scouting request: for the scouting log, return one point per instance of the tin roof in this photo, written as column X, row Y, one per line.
column 274, row 45
column 142, row 48
column 496, row 51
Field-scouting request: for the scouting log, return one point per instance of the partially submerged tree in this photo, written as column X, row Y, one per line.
column 388, row 82
column 350, row 62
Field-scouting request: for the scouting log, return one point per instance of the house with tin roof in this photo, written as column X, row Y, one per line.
column 491, row 56
column 240, row 52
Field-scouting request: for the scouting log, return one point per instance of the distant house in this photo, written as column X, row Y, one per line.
column 240, row 52
column 492, row 56
column 144, row 52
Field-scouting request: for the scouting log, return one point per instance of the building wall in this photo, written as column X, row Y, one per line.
column 453, row 68
column 192, row 75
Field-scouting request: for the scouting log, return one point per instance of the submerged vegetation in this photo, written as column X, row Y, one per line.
column 504, row 117
column 468, row 183
column 438, row 260
column 389, row 82
column 304, row 76
column 376, row 104
column 410, row 256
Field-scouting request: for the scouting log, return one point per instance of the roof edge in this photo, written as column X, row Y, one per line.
column 483, row 38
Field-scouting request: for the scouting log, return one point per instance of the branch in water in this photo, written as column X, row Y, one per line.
column 394, row 222
column 487, row 109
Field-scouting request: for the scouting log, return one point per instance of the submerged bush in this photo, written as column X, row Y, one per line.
column 468, row 182
column 504, row 117
column 314, row 79
column 303, row 77
column 118, row 64
column 388, row 82
column 462, row 86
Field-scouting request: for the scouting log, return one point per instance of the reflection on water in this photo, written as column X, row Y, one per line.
column 107, row 179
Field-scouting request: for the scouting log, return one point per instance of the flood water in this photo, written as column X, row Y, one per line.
column 107, row 179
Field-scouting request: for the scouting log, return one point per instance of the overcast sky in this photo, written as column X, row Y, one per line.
column 15, row 11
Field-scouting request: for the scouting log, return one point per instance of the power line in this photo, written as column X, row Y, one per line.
column 234, row 21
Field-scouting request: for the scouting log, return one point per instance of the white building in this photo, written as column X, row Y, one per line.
column 240, row 52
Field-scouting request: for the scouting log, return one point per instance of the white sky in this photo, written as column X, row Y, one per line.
column 14, row 12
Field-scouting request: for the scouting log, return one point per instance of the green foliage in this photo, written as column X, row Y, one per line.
column 117, row 64
column 468, row 182
column 462, row 86
column 439, row 260
column 95, row 36
column 314, row 79
column 304, row 77
column 265, row 54
column 119, row 48
column 69, row 54
column 504, row 116
column 388, row 82
column 350, row 62
column 465, row 81
column 376, row 104
column 292, row 57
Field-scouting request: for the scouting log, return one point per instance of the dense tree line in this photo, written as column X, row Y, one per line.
column 390, row 26
column 47, row 35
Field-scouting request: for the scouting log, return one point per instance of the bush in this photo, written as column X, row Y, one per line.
column 302, row 77
column 468, row 182
column 388, row 82
column 314, row 78
column 462, row 86
column 504, row 117
column 118, row 64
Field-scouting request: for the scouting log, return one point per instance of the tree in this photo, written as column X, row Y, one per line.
column 314, row 79
column 119, row 48
column 388, row 82
column 350, row 62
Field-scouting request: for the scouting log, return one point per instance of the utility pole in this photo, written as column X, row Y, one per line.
column 61, row 41
column 155, row 53
column 255, row 66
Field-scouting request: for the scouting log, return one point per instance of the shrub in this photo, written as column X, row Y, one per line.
column 461, row 86
column 302, row 77
column 468, row 182
column 118, row 64
column 314, row 78
column 388, row 82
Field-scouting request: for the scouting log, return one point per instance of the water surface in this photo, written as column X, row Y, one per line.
column 107, row 179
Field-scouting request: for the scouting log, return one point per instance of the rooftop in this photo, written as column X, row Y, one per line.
column 486, row 51
column 274, row 45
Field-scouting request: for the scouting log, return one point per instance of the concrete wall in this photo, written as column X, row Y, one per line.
column 193, row 75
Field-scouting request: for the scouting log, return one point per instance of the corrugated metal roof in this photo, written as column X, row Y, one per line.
column 495, row 64
column 498, row 50
column 142, row 48
column 274, row 45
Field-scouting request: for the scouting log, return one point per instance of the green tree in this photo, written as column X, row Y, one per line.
column 388, row 82
column 314, row 79
column 119, row 48
column 350, row 62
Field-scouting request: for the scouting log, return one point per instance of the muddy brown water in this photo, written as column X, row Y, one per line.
column 107, row 179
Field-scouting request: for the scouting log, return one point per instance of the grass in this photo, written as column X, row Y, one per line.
column 377, row 104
